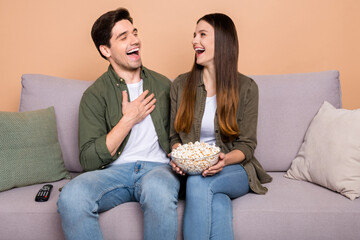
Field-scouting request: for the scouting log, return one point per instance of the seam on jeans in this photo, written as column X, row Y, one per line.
column 96, row 207
column 137, row 184
column 211, row 194
column 208, row 206
column 222, row 176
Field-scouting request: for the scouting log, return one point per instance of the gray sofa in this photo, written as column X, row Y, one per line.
column 290, row 210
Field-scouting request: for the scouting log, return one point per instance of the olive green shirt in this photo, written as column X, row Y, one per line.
column 247, row 116
column 101, row 109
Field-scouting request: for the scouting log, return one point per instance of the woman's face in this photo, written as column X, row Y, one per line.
column 204, row 44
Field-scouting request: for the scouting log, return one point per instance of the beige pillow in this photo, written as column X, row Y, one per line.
column 330, row 153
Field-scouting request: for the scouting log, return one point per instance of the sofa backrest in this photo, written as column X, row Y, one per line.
column 287, row 104
column 42, row 91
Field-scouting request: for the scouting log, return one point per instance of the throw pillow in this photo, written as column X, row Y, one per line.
column 29, row 149
column 330, row 153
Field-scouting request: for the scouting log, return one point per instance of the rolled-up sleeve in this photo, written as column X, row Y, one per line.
column 247, row 121
column 174, row 136
column 92, row 133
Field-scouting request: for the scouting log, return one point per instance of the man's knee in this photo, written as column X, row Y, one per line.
column 73, row 197
column 160, row 188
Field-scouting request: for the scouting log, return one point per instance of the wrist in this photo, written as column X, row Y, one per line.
column 175, row 146
column 126, row 122
column 223, row 158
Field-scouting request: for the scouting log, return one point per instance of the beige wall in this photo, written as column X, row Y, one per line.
column 276, row 36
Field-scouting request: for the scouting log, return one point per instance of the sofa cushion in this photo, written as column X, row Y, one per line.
column 287, row 104
column 23, row 218
column 40, row 220
column 41, row 91
column 330, row 153
column 29, row 149
column 291, row 209
column 296, row 210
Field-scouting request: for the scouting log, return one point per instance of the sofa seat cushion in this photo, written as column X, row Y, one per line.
column 23, row 218
column 290, row 210
column 296, row 210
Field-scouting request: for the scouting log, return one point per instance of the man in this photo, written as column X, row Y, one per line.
column 123, row 138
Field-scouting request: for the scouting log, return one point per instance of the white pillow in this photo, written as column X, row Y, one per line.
column 330, row 153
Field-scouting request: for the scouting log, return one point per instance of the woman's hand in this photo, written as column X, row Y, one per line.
column 233, row 157
column 218, row 167
column 176, row 169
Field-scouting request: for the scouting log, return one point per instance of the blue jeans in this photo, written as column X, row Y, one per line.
column 153, row 185
column 208, row 207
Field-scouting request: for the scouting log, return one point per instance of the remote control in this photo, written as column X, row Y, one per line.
column 44, row 193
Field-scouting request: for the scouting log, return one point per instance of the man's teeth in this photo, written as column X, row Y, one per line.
column 133, row 50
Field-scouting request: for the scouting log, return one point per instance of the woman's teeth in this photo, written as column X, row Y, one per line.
column 199, row 50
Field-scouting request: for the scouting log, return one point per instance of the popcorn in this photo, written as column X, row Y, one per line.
column 196, row 157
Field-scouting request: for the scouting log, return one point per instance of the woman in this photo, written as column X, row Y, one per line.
column 216, row 104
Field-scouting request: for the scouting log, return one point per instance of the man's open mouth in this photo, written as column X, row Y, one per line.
column 134, row 51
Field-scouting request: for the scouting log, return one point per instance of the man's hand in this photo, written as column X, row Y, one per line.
column 133, row 112
column 175, row 167
column 138, row 109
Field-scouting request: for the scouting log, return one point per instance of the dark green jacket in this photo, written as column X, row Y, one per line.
column 246, row 119
column 101, row 109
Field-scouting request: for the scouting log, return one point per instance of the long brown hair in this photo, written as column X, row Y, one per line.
column 227, row 84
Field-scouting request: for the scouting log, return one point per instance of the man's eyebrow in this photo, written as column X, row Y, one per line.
column 121, row 34
column 124, row 33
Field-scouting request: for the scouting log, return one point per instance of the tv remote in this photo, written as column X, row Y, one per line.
column 44, row 193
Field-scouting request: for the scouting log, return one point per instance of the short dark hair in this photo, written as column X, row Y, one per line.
column 101, row 31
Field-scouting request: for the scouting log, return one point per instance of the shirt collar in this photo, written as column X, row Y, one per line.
column 117, row 79
column 201, row 82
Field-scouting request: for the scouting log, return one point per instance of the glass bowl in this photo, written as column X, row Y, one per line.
column 196, row 165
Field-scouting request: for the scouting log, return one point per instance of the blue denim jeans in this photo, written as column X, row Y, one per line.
column 208, row 207
column 153, row 185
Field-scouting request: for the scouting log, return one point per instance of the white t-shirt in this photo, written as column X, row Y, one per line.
column 143, row 142
column 207, row 124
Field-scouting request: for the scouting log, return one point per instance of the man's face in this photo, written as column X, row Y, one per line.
column 124, row 52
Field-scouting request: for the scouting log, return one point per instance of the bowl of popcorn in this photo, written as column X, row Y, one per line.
column 194, row 158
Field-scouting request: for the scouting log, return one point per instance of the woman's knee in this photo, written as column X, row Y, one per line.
column 197, row 185
column 222, row 206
